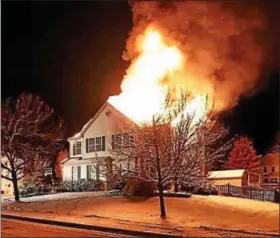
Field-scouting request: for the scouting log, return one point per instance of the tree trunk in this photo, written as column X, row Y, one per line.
column 176, row 187
column 161, row 202
column 15, row 184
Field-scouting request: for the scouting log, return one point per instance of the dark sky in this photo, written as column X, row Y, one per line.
column 69, row 53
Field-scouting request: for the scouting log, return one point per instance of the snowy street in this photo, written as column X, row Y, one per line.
column 14, row 228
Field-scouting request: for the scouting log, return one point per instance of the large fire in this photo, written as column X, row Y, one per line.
column 143, row 91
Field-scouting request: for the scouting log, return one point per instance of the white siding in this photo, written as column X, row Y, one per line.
column 83, row 171
column 106, row 123
column 67, row 172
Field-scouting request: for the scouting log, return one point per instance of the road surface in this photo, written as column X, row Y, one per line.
column 15, row 228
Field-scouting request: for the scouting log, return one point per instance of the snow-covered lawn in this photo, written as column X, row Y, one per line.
column 59, row 196
column 182, row 213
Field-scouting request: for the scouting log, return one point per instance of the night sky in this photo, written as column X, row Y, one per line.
column 69, row 53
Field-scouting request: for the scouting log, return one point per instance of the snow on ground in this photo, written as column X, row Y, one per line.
column 182, row 213
column 59, row 196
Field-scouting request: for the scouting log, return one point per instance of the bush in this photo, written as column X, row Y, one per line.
column 34, row 190
column 204, row 188
column 80, row 186
column 139, row 187
column 119, row 185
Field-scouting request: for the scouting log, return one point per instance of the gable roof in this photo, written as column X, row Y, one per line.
column 236, row 173
column 89, row 123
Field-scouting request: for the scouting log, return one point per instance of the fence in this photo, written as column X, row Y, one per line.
column 249, row 192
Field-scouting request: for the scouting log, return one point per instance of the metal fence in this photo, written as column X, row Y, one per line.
column 249, row 192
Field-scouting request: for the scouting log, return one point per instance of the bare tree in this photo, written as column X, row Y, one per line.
column 175, row 147
column 29, row 133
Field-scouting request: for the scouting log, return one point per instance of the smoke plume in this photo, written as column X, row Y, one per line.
column 220, row 42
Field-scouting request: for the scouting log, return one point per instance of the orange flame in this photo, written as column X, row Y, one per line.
column 143, row 93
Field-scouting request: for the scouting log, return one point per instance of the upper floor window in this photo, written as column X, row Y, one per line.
column 273, row 169
column 265, row 169
column 77, row 148
column 122, row 140
column 95, row 144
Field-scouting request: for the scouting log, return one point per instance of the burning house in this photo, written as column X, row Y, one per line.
column 172, row 50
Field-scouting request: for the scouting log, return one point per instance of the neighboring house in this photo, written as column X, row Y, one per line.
column 270, row 170
column 94, row 142
column 7, row 187
column 237, row 177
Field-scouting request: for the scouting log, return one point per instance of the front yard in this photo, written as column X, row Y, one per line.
column 184, row 215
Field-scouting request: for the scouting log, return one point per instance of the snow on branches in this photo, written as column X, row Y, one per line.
column 30, row 133
column 165, row 152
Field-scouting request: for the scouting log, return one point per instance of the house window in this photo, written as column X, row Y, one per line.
column 95, row 144
column 90, row 145
column 274, row 180
column 265, row 169
column 89, row 171
column 273, row 169
column 122, row 140
column 98, row 143
column 77, row 148
column 79, row 172
column 265, row 180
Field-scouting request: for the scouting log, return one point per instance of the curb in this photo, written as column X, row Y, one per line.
column 264, row 234
column 91, row 227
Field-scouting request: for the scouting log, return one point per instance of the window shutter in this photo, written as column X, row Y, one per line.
column 87, row 145
column 113, row 142
column 97, row 172
column 88, row 172
column 103, row 143
column 79, row 172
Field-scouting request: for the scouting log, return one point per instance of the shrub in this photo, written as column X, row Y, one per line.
column 80, row 186
column 119, row 185
column 203, row 188
column 139, row 187
column 34, row 190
